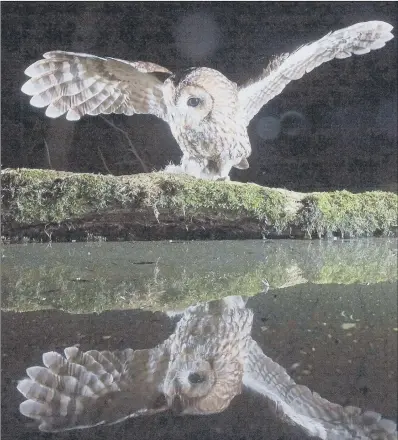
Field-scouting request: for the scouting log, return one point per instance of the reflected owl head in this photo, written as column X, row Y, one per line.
column 189, row 380
column 202, row 386
column 192, row 378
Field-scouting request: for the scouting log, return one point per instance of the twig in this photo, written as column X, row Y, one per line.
column 48, row 154
column 49, row 234
column 144, row 167
column 103, row 160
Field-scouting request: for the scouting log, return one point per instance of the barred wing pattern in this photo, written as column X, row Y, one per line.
column 207, row 113
column 91, row 388
column 78, row 84
column 199, row 369
column 307, row 411
column 358, row 39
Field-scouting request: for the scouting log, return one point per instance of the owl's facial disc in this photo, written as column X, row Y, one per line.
column 195, row 380
column 187, row 380
column 194, row 104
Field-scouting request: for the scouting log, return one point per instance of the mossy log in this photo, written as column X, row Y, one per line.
column 43, row 205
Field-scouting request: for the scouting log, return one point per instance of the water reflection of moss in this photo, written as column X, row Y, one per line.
column 359, row 271
column 54, row 289
column 171, row 288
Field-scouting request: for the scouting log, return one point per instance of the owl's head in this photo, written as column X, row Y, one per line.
column 200, row 95
column 193, row 378
column 202, row 386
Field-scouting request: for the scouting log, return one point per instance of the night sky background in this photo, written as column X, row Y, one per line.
column 333, row 129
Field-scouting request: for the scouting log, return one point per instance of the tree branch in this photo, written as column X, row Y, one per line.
column 144, row 167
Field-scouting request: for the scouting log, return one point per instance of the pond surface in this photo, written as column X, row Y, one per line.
column 329, row 318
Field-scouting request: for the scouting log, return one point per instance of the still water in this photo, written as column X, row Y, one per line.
column 329, row 317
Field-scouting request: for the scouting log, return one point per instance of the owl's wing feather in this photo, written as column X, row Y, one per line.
column 78, row 84
column 358, row 39
column 306, row 410
column 85, row 389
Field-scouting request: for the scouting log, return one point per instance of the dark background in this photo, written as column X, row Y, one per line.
column 333, row 129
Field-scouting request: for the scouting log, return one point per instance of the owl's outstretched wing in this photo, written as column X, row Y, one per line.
column 307, row 411
column 358, row 39
column 78, row 84
column 91, row 388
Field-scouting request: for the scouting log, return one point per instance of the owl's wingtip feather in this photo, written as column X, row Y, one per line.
column 378, row 25
column 32, row 409
column 53, row 112
column 50, row 358
column 24, row 385
column 389, row 426
column 382, row 28
column 72, row 115
column 386, row 27
column 38, row 101
column 34, row 372
column 29, row 71
column 28, row 87
column 374, row 423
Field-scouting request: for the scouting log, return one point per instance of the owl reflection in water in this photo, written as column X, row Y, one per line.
column 199, row 369
column 207, row 113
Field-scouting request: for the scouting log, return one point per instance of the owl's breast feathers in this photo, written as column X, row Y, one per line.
column 214, row 140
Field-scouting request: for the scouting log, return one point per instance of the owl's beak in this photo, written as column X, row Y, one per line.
column 176, row 405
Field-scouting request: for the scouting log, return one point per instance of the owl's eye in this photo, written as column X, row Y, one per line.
column 193, row 102
column 196, row 378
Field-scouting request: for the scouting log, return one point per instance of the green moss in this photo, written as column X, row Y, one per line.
column 34, row 196
column 195, row 196
column 347, row 213
column 41, row 197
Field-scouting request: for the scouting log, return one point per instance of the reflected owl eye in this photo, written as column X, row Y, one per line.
column 196, row 378
column 193, row 102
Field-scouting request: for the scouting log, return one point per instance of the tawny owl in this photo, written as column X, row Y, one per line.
column 207, row 113
column 199, row 369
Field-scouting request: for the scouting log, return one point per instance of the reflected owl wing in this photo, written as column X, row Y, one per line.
column 91, row 388
column 78, row 84
column 358, row 39
column 307, row 411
